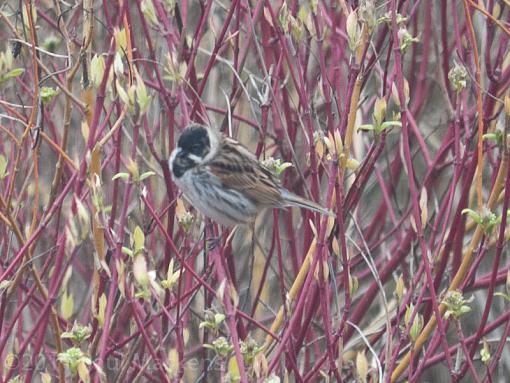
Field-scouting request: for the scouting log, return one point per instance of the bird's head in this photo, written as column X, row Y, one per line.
column 196, row 145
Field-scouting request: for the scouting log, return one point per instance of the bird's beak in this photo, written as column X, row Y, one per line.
column 181, row 161
column 173, row 155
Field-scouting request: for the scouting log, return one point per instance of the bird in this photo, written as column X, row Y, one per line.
column 224, row 181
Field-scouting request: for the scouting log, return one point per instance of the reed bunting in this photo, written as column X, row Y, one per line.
column 226, row 182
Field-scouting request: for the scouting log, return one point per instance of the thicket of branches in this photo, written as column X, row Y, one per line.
column 394, row 114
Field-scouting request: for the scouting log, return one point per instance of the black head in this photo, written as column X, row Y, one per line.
column 195, row 140
column 193, row 146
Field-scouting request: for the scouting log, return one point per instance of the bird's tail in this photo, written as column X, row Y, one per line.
column 290, row 199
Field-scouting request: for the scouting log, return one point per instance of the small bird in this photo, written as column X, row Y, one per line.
column 225, row 181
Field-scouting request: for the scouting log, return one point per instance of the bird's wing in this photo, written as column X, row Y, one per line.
column 243, row 173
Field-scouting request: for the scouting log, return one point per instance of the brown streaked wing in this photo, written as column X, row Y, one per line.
column 232, row 146
column 242, row 173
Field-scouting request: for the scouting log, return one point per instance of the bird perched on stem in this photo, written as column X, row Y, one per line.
column 225, row 181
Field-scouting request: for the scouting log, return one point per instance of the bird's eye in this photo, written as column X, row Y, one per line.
column 196, row 148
